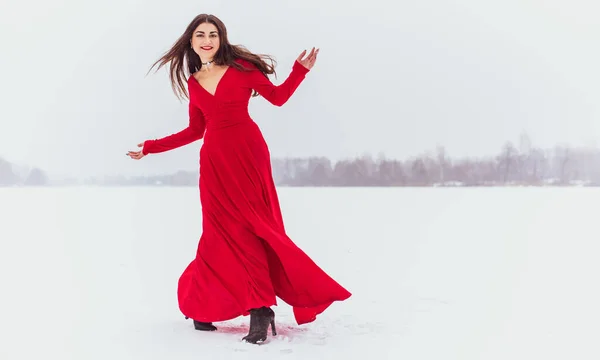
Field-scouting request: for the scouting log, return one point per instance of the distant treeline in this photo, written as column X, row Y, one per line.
column 524, row 165
column 511, row 167
column 535, row 167
column 11, row 175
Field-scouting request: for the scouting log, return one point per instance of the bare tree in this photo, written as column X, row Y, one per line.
column 36, row 177
column 507, row 160
column 7, row 176
column 442, row 162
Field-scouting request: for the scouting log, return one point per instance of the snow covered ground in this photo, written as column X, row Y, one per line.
column 436, row 273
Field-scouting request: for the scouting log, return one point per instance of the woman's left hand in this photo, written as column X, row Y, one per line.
column 309, row 61
column 136, row 155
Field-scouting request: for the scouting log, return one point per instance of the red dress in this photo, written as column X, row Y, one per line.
column 244, row 257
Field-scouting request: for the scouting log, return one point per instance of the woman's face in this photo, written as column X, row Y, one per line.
column 205, row 41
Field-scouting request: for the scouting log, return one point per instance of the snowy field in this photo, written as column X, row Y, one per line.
column 439, row 274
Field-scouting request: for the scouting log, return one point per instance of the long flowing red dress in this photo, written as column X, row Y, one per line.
column 244, row 258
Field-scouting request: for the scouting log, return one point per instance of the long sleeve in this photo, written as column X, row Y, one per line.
column 277, row 94
column 194, row 131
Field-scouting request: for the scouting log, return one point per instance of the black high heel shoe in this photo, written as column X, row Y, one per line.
column 260, row 319
column 203, row 326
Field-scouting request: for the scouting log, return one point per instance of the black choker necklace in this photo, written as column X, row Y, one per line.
column 207, row 63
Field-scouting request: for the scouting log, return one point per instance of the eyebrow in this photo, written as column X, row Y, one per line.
column 202, row 32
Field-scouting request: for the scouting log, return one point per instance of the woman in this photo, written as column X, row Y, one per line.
column 244, row 258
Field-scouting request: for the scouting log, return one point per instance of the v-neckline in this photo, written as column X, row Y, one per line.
column 218, row 83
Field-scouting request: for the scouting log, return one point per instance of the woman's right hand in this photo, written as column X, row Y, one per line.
column 136, row 155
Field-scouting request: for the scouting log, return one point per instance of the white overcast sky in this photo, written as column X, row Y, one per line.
column 393, row 77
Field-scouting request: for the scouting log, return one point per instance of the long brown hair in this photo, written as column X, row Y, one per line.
column 182, row 54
